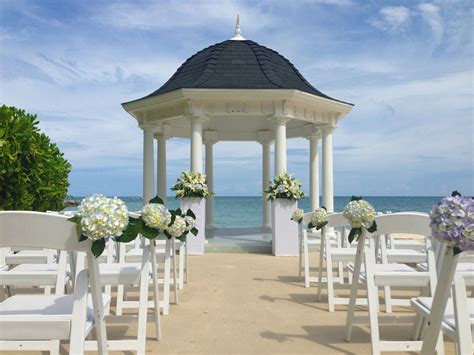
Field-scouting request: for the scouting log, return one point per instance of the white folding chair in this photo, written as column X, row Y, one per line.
column 458, row 319
column 389, row 275
column 115, row 274
column 160, row 261
column 331, row 253
column 40, row 322
column 47, row 276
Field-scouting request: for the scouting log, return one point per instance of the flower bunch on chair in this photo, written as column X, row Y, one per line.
column 191, row 184
column 297, row 216
column 360, row 214
column 156, row 219
column 452, row 222
column 99, row 218
column 284, row 186
column 318, row 219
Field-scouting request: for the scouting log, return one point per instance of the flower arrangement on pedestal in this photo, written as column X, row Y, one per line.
column 284, row 186
column 452, row 222
column 361, row 215
column 99, row 218
column 191, row 184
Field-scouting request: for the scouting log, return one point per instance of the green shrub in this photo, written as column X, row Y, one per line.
column 33, row 171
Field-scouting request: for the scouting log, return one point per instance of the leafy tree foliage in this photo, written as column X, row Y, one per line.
column 33, row 171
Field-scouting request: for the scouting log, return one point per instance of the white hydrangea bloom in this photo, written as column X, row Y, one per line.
column 156, row 215
column 178, row 227
column 190, row 223
column 102, row 217
column 319, row 216
column 359, row 213
column 298, row 215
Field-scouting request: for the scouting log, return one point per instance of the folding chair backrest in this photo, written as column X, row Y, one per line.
column 404, row 222
column 336, row 220
column 37, row 229
column 307, row 218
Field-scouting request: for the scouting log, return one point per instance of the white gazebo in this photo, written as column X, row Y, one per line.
column 238, row 90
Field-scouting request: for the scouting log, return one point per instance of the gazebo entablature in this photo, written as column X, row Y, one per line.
column 236, row 114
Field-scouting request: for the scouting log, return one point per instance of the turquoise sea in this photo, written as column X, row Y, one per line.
column 247, row 211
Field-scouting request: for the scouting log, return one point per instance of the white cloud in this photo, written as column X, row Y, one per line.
column 430, row 14
column 392, row 18
column 178, row 14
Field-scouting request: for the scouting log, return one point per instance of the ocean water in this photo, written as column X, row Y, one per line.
column 247, row 211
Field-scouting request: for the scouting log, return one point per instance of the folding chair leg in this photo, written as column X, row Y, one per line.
column 143, row 303
column 181, row 266
column 166, row 284
column 354, row 286
column 186, row 273
column 54, row 347
column 388, row 299
column 340, row 272
column 175, row 276
column 320, row 269
column 330, row 285
column 119, row 306
column 372, row 301
column 108, row 292
column 156, row 292
column 300, row 266
column 306, row 263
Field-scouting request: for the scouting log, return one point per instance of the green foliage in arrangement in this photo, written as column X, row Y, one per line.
column 33, row 171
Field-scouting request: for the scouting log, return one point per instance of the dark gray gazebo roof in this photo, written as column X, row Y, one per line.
column 240, row 64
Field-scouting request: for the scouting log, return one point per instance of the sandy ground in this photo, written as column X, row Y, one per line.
column 254, row 304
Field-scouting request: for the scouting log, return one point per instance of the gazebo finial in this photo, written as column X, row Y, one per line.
column 238, row 35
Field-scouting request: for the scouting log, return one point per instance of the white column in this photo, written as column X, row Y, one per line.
column 196, row 144
column 267, row 208
column 210, row 184
column 313, row 171
column 280, row 145
column 148, row 164
column 161, row 167
column 328, row 182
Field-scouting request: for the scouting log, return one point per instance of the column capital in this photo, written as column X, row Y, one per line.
column 327, row 129
column 313, row 132
column 265, row 137
column 197, row 119
column 161, row 136
column 280, row 119
column 147, row 127
column 209, row 142
column 265, row 141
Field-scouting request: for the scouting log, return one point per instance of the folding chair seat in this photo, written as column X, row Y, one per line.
column 24, row 315
column 45, row 276
column 30, row 256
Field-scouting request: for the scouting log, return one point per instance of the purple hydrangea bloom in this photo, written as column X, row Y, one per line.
column 452, row 222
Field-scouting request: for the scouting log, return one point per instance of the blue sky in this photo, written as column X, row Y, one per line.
column 406, row 65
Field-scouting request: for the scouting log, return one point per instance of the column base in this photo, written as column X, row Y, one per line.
column 266, row 228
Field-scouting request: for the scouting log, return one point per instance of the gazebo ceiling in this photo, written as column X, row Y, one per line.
column 237, row 87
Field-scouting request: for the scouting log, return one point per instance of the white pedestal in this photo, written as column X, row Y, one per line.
column 198, row 206
column 284, row 230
